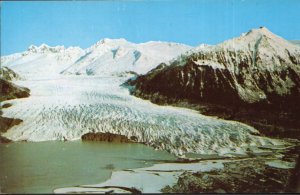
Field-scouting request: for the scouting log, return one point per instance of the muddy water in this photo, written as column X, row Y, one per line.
column 44, row 166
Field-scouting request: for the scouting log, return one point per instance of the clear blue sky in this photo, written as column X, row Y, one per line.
column 82, row 23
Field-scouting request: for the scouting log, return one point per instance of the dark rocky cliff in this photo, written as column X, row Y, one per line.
column 8, row 74
column 8, row 91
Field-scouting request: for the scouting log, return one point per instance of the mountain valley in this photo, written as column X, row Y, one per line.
column 214, row 107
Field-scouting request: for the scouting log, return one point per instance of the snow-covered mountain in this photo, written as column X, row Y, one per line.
column 43, row 61
column 258, row 66
column 115, row 56
column 106, row 57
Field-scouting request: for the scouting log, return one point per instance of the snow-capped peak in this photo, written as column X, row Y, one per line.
column 114, row 56
column 107, row 44
column 42, row 61
column 44, row 48
column 261, row 30
column 252, row 40
column 264, row 33
column 107, row 41
column 32, row 48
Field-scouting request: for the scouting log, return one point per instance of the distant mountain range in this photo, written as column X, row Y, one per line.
column 106, row 57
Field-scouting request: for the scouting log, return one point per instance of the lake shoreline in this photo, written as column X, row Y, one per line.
column 248, row 174
column 57, row 164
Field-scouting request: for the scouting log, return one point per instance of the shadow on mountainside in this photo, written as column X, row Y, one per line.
column 8, row 91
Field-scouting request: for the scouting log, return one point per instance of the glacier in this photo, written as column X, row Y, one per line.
column 66, row 107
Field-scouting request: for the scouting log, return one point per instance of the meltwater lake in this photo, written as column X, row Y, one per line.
column 44, row 166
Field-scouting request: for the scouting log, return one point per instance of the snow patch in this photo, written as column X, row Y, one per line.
column 154, row 178
column 281, row 164
column 214, row 65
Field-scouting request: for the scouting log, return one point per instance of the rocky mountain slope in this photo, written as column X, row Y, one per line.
column 8, row 74
column 255, row 73
column 8, row 91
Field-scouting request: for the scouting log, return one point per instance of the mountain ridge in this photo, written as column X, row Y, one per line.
column 105, row 57
column 250, row 59
column 258, row 70
column 118, row 55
